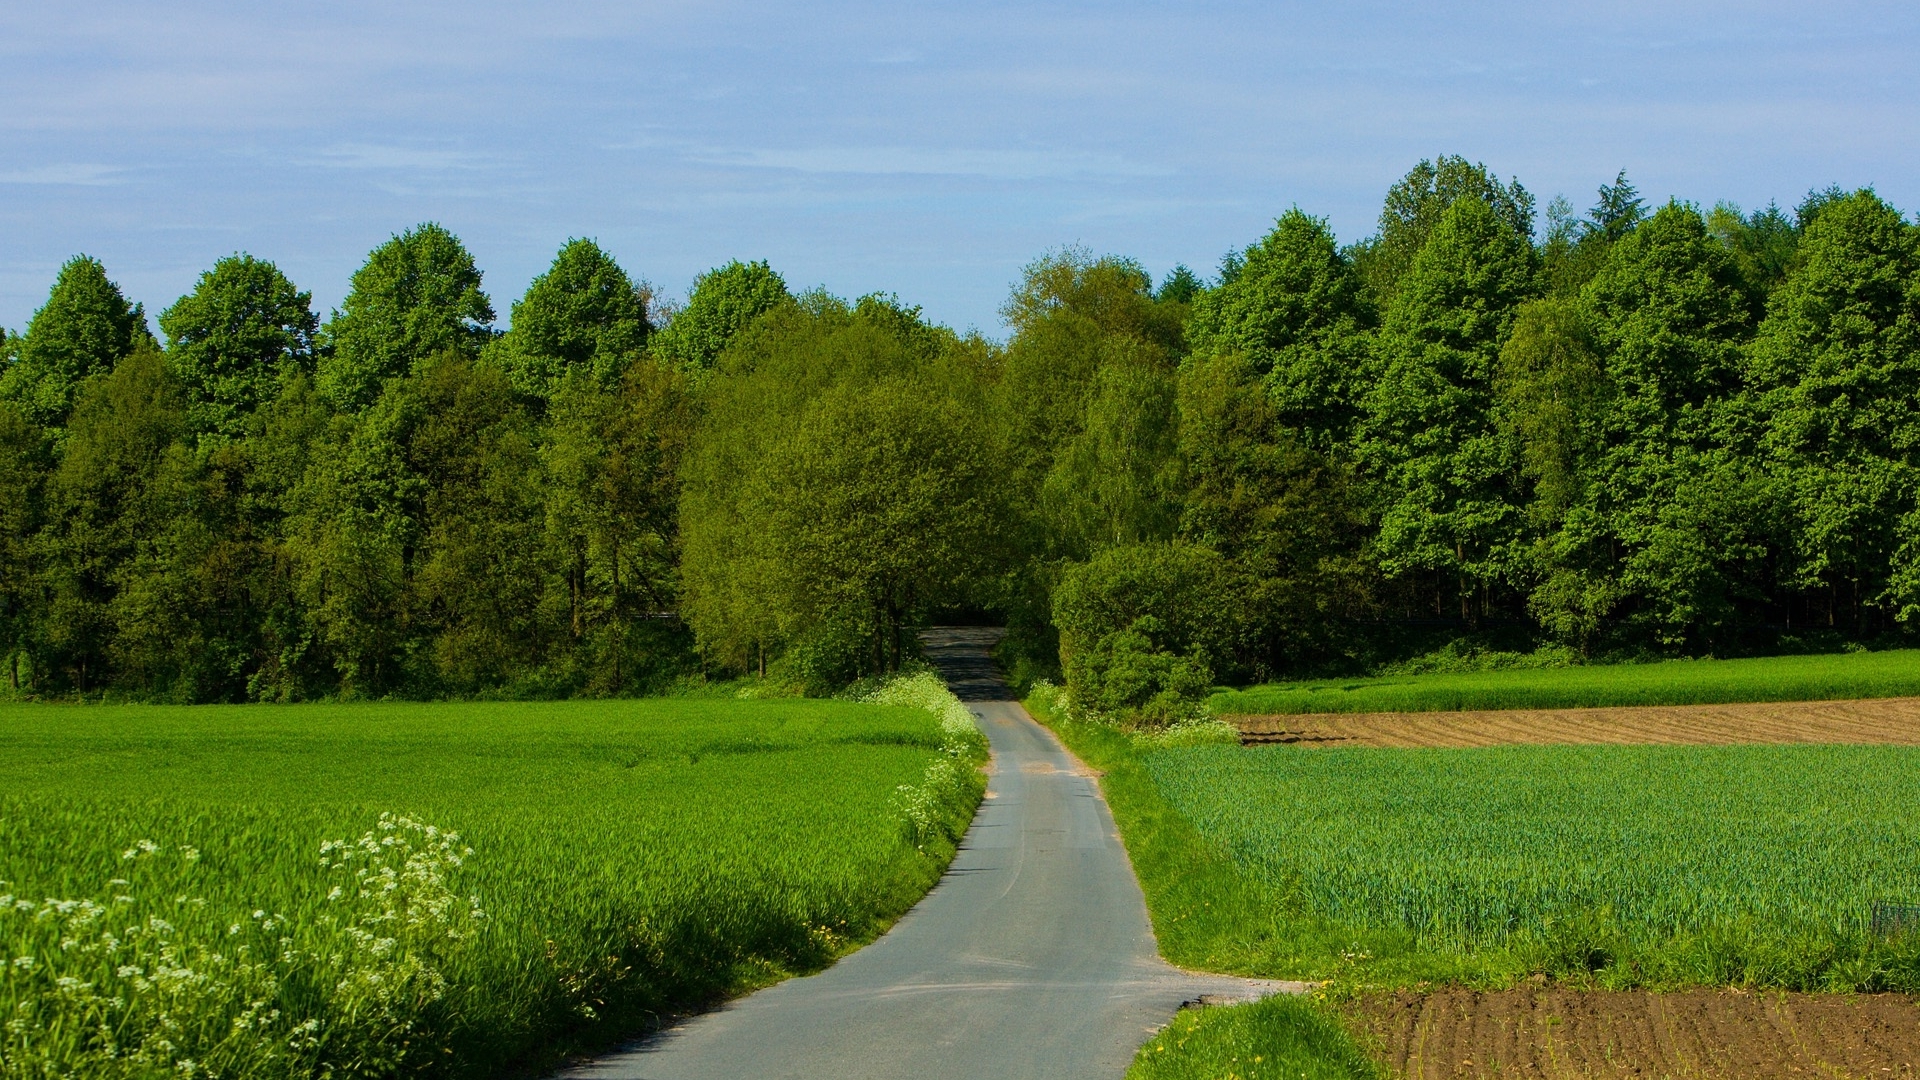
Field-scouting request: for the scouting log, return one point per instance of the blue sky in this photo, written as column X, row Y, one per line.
column 928, row 150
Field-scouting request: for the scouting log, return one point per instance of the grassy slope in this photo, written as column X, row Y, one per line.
column 631, row 857
column 1678, row 682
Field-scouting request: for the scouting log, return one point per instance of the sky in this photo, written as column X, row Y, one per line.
column 928, row 150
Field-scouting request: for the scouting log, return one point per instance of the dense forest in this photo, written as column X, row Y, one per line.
column 1482, row 435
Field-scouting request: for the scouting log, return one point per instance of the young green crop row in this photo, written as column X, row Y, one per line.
column 1468, row 847
column 1894, row 673
column 372, row 890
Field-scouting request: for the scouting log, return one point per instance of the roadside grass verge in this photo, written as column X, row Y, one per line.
column 1281, row 1038
column 443, row 889
column 1895, row 673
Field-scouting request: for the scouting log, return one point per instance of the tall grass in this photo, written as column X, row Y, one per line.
column 383, row 890
column 1676, row 682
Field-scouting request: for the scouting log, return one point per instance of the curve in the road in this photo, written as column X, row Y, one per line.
column 1033, row 957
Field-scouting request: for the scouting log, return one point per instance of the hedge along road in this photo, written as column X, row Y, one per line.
column 1033, row 957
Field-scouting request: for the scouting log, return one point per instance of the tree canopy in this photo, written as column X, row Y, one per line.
column 1638, row 430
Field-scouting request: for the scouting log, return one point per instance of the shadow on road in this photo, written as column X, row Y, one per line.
column 961, row 653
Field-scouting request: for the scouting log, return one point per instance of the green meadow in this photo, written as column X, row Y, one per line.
column 1895, row 673
column 444, row 889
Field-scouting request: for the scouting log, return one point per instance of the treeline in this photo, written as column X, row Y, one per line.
column 1629, row 433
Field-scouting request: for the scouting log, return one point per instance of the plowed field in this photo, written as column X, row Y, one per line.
column 1557, row 1033
column 1894, row 721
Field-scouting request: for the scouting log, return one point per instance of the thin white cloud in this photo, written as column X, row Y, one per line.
column 931, row 161
column 408, row 158
column 84, row 175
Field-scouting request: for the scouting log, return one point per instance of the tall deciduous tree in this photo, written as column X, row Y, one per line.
column 584, row 313
column 1415, row 206
column 24, row 464
column 841, row 483
column 724, row 301
column 1667, row 498
column 84, row 329
column 233, row 340
column 107, row 501
column 1838, row 364
column 611, row 463
column 1296, row 311
column 417, row 296
column 1429, row 433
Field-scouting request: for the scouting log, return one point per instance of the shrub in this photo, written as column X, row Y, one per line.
column 1142, row 627
column 1127, row 675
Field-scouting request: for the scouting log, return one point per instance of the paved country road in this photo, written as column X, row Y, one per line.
column 1033, row 957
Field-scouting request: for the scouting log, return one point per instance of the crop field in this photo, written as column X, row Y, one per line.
column 1562, row 1033
column 443, row 889
column 1893, row 673
column 1890, row 721
column 1653, row 864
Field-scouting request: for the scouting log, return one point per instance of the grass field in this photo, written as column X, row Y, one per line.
column 179, row 898
column 1692, row 864
column 1678, row 682
column 1656, row 867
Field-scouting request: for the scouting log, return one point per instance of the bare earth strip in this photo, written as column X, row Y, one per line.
column 1892, row 721
column 1551, row 1033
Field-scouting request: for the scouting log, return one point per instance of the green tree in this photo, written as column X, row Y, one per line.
column 1415, row 206
column 1762, row 244
column 1551, row 396
column 1619, row 210
column 611, row 463
column 24, row 466
column 1073, row 315
column 233, row 340
column 1180, row 286
column 1298, row 314
column 474, row 583
column 1837, row 365
column 84, row 329
column 1659, row 518
column 106, row 501
column 840, row 484
column 417, row 296
column 724, row 301
column 1283, row 514
column 583, row 313
column 1116, row 481
column 1448, row 504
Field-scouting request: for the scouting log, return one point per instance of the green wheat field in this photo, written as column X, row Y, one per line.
column 349, row 890
column 1658, row 864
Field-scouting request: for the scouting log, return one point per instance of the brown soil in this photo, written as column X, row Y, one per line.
column 1560, row 1033
column 1879, row 720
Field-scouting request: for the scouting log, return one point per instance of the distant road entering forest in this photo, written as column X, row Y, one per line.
column 1032, row 958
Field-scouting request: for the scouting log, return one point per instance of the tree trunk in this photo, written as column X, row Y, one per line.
column 577, row 585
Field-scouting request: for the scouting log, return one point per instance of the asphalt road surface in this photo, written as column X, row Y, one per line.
column 1033, row 957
